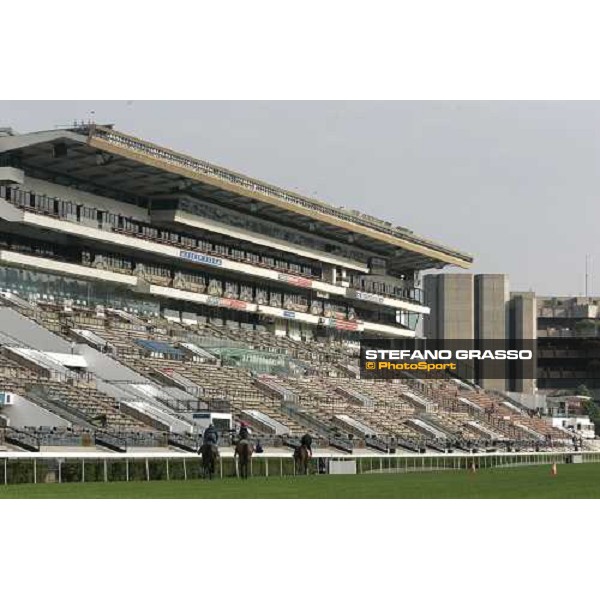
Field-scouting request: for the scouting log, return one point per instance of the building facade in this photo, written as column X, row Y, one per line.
column 481, row 309
column 91, row 215
column 568, row 343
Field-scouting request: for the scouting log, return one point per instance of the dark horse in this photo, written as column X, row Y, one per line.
column 243, row 450
column 209, row 453
column 301, row 459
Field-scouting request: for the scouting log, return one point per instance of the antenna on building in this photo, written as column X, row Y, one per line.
column 588, row 289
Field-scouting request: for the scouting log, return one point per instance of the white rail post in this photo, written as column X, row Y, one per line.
column 168, row 478
column 126, row 469
column 34, row 470
column 105, row 472
column 6, row 471
column 83, row 470
column 147, row 471
column 184, row 470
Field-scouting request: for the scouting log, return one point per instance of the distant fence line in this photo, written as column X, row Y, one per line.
column 68, row 468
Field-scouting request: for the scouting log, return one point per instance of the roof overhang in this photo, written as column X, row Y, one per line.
column 100, row 159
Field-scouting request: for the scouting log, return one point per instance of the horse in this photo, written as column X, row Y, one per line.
column 209, row 453
column 243, row 450
column 302, row 459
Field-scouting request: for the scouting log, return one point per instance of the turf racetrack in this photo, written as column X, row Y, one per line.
column 572, row 481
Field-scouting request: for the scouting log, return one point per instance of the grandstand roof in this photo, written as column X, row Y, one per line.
column 103, row 160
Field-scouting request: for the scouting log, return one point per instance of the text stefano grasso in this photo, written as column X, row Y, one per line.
column 498, row 354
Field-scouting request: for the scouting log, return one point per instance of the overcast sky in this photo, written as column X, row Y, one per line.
column 516, row 184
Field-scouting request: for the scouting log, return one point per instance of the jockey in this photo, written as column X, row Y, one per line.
column 244, row 434
column 211, row 435
column 306, row 440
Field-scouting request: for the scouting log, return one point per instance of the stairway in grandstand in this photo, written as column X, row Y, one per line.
column 74, row 397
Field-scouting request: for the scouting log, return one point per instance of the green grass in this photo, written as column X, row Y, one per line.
column 573, row 481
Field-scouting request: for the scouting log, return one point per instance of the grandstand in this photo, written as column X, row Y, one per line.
column 146, row 293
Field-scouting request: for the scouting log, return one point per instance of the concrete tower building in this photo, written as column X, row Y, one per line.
column 451, row 300
column 478, row 308
column 491, row 322
column 523, row 326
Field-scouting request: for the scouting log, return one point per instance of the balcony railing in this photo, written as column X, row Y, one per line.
column 568, row 333
column 65, row 210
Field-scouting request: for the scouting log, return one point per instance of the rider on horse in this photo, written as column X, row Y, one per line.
column 306, row 441
column 211, row 436
column 209, row 450
column 244, row 433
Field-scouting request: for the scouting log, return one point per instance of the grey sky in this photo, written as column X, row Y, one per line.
column 516, row 184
